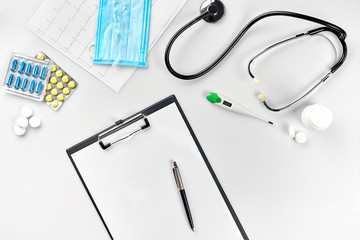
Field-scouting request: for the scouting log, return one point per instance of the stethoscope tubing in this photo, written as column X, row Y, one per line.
column 339, row 32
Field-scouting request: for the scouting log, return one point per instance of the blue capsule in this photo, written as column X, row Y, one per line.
column 43, row 72
column 38, row 87
column 21, row 67
column 32, row 86
column 10, row 79
column 17, row 82
column 13, row 64
column 24, row 84
column 35, row 70
column 28, row 69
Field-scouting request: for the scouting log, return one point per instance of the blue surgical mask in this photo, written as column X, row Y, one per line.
column 122, row 32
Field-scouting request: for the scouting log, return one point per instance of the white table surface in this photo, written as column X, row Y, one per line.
column 279, row 189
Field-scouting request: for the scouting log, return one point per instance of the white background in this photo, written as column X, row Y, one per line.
column 279, row 189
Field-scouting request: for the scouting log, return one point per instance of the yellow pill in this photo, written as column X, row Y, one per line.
column 55, row 103
column 65, row 79
column 48, row 98
column 66, row 91
column 53, row 68
column 54, row 92
column 60, row 85
column 49, row 86
column 71, row 84
column 59, row 73
column 53, row 80
column 40, row 56
column 60, row 97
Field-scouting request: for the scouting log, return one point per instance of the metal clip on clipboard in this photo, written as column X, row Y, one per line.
column 120, row 125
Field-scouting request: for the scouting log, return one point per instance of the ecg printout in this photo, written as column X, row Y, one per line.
column 70, row 27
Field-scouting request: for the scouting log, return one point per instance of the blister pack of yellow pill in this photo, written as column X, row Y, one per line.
column 60, row 85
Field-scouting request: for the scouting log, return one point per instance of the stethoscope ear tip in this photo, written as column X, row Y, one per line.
column 261, row 97
column 256, row 81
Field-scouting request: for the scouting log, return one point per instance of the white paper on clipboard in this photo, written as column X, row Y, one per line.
column 70, row 27
column 133, row 185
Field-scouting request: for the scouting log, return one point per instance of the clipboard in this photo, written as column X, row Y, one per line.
column 126, row 172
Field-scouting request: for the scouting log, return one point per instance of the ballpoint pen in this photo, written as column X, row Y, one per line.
column 182, row 193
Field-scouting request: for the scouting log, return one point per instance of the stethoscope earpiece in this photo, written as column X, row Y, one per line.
column 216, row 9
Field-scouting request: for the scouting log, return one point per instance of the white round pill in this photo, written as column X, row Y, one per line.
column 300, row 137
column 19, row 130
column 22, row 122
column 35, row 122
column 26, row 111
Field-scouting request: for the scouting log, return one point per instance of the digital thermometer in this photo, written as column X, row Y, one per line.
column 231, row 105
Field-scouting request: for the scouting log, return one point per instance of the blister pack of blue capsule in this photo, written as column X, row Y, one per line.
column 122, row 32
column 27, row 77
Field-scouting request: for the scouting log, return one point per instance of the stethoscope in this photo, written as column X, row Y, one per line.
column 213, row 10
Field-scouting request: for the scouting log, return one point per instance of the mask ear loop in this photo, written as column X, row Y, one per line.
column 262, row 98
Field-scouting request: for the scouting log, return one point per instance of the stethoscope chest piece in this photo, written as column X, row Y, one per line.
column 216, row 7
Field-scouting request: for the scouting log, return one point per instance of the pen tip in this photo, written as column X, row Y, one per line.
column 192, row 230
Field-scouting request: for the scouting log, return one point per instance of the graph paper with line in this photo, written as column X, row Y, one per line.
column 70, row 27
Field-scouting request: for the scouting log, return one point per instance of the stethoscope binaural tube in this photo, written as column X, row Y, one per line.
column 327, row 75
column 213, row 9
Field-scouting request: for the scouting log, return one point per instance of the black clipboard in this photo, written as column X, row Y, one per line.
column 146, row 112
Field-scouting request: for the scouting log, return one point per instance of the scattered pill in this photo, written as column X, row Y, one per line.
column 292, row 131
column 40, row 56
column 28, row 68
column 19, row 130
column 35, row 122
column 66, row 91
column 26, row 111
column 300, row 137
column 32, row 86
column 53, row 80
column 43, row 72
column 60, row 85
column 17, row 82
column 59, row 73
column 54, row 92
column 22, row 122
column 48, row 98
column 60, row 97
column 13, row 64
column 38, row 87
column 24, row 84
column 49, row 87
column 10, row 79
column 53, row 68
column 65, row 79
column 21, row 67
column 55, row 103
column 71, row 84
